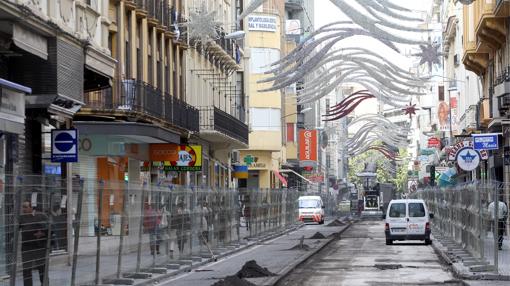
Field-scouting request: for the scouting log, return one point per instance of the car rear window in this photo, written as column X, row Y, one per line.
column 416, row 210
column 398, row 210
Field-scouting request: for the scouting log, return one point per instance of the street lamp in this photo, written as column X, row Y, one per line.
column 300, row 112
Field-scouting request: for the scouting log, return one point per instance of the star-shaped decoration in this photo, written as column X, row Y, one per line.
column 429, row 54
column 202, row 26
column 410, row 109
column 468, row 157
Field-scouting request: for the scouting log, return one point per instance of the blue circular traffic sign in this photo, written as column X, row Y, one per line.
column 64, row 142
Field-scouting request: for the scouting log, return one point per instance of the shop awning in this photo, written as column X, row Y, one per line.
column 295, row 173
column 280, row 177
column 30, row 41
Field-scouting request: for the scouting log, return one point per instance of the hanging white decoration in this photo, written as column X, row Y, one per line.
column 202, row 25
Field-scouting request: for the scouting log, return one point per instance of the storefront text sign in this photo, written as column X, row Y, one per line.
column 262, row 23
column 252, row 162
column 177, row 157
column 466, row 156
column 64, row 145
column 308, row 145
column 487, row 141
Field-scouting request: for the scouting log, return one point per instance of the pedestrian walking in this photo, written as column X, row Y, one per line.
column 151, row 222
column 181, row 224
column 502, row 215
column 205, row 221
column 34, row 236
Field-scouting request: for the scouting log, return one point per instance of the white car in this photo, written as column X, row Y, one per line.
column 311, row 209
column 407, row 220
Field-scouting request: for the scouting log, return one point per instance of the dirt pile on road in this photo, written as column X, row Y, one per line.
column 251, row 270
column 317, row 235
column 336, row 222
column 233, row 281
column 300, row 247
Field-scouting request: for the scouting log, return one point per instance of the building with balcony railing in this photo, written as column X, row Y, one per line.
column 215, row 84
column 486, row 53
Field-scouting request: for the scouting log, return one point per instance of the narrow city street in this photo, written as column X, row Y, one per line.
column 360, row 257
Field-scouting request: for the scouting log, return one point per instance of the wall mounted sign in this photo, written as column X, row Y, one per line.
column 466, row 156
column 177, row 157
column 262, row 23
column 434, row 142
column 64, row 145
column 308, row 145
column 487, row 141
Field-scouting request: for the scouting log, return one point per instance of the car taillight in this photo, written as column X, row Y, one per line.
column 387, row 226
column 427, row 225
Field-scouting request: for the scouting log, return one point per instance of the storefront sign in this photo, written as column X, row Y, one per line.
column 488, row 141
column 12, row 105
column 434, row 142
column 253, row 162
column 308, row 145
column 177, row 157
column 454, row 151
column 240, row 172
column 64, row 145
column 467, row 158
column 262, row 23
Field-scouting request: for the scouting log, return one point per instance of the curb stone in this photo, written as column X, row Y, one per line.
column 189, row 268
column 286, row 271
column 462, row 274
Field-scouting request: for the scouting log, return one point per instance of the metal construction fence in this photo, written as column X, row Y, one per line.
column 124, row 229
column 465, row 214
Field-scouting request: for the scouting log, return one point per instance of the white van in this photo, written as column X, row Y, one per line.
column 311, row 209
column 407, row 220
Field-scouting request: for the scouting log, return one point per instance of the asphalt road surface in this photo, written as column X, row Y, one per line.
column 360, row 257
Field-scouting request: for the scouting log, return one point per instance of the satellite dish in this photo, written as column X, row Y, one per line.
column 235, row 35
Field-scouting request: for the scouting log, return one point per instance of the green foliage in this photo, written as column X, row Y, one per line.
column 357, row 165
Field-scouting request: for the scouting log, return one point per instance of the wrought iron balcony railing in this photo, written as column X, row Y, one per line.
column 140, row 97
column 214, row 119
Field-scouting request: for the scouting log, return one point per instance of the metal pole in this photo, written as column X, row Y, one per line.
column 77, row 233
column 48, row 241
column 18, row 196
column 69, row 205
column 495, row 228
column 98, row 245
column 140, row 231
column 123, row 219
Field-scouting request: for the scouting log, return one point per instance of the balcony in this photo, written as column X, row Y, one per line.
column 223, row 52
column 141, row 101
column 218, row 126
column 502, row 8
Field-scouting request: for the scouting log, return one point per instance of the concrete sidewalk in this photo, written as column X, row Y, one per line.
column 277, row 255
column 163, row 265
column 473, row 269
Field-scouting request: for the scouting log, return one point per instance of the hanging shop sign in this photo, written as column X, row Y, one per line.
column 434, row 142
column 177, row 157
column 466, row 156
column 487, row 141
column 262, row 23
column 240, row 172
column 307, row 146
column 64, row 145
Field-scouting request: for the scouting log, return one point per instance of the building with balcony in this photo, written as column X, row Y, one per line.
column 264, row 45
column 215, row 84
column 486, row 48
column 58, row 49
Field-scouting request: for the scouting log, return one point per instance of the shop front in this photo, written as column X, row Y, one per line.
column 12, row 126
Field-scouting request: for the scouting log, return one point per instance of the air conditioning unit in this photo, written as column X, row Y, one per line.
column 236, row 157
